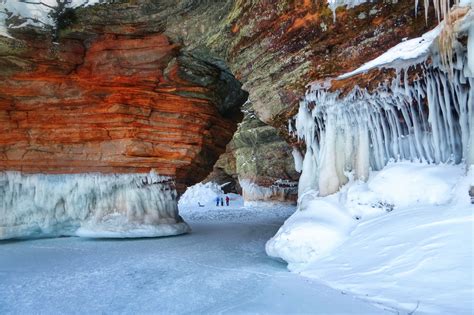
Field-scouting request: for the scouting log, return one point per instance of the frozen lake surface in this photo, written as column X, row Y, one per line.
column 221, row 267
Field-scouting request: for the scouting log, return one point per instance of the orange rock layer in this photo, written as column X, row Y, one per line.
column 114, row 104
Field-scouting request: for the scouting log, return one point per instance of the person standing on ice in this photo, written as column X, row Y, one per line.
column 217, row 201
column 227, row 199
column 222, row 202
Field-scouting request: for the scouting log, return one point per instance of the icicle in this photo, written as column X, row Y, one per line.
column 470, row 47
column 362, row 157
column 298, row 160
column 309, row 174
column 328, row 175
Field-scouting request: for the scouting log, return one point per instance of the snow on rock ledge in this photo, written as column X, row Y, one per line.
column 88, row 205
column 412, row 51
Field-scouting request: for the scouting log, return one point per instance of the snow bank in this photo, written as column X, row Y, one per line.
column 410, row 243
column 92, row 205
column 417, row 258
column 321, row 224
column 317, row 227
column 204, row 194
column 411, row 51
column 411, row 184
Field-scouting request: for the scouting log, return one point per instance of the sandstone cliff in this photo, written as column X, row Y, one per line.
column 113, row 100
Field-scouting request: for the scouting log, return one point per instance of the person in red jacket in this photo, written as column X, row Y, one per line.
column 227, row 199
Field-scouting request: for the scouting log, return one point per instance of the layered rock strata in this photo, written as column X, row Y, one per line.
column 113, row 103
column 258, row 162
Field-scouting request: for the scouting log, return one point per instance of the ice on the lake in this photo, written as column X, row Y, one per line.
column 89, row 205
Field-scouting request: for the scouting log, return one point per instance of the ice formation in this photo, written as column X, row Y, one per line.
column 298, row 158
column 414, row 257
column 425, row 113
column 90, row 205
column 278, row 191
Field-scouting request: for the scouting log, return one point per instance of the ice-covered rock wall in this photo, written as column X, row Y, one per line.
column 279, row 191
column 89, row 205
column 424, row 113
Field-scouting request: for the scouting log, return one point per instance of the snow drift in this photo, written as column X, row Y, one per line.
column 203, row 197
column 321, row 224
column 89, row 205
column 204, row 194
column 403, row 239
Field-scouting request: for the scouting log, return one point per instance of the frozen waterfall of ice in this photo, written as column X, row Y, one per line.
column 89, row 205
column 423, row 114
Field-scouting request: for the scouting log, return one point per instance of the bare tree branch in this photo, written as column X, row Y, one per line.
column 37, row 3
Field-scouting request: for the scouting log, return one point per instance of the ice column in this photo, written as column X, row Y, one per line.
column 425, row 117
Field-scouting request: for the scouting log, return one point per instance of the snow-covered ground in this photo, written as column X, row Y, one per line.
column 220, row 267
column 403, row 239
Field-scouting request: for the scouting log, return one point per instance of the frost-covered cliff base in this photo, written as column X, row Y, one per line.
column 402, row 239
column 89, row 205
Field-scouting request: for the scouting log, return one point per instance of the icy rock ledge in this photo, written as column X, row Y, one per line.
column 88, row 205
column 280, row 191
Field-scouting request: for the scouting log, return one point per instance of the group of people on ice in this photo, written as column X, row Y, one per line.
column 221, row 201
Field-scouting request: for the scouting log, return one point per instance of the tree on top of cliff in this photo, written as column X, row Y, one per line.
column 50, row 14
column 61, row 14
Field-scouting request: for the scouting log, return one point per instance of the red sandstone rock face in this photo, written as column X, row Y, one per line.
column 116, row 103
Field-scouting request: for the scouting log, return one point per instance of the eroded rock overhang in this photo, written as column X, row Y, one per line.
column 105, row 125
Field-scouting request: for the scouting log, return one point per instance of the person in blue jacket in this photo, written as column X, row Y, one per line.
column 217, row 201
